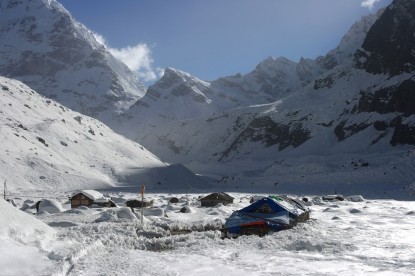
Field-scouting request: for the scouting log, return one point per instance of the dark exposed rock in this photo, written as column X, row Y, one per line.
column 343, row 131
column 326, row 81
column 329, row 124
column 380, row 125
column 403, row 135
column 22, row 126
column 270, row 133
column 78, row 119
column 390, row 43
column 40, row 139
column 398, row 98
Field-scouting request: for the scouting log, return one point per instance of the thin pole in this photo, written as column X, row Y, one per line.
column 143, row 187
column 5, row 190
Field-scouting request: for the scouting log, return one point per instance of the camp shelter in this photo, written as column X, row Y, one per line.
column 138, row 203
column 174, row 200
column 272, row 213
column 90, row 197
column 335, row 197
column 216, row 198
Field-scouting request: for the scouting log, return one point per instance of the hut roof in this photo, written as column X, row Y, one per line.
column 91, row 194
column 217, row 196
column 94, row 195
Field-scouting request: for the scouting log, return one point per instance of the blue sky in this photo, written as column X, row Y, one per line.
column 215, row 38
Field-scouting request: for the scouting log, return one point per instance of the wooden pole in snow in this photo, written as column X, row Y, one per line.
column 5, row 190
column 143, row 187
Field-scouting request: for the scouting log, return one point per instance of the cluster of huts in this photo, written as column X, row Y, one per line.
column 91, row 197
column 264, row 214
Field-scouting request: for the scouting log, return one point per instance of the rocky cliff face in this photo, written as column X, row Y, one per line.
column 366, row 95
column 389, row 45
column 47, row 49
column 389, row 50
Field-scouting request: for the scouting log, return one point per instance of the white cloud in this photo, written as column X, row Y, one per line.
column 100, row 39
column 137, row 58
column 160, row 72
column 369, row 3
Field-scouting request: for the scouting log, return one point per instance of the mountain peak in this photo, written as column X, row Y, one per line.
column 174, row 77
column 170, row 72
column 48, row 50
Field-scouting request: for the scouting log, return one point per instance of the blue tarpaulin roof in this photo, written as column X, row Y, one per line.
column 276, row 212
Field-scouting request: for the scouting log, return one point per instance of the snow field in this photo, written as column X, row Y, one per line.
column 373, row 237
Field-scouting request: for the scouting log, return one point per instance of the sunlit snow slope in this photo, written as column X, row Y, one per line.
column 44, row 145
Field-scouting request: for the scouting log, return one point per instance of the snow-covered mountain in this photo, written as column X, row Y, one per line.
column 325, row 115
column 184, row 119
column 47, row 49
column 181, row 96
column 354, row 104
column 158, row 117
column 176, row 96
column 46, row 146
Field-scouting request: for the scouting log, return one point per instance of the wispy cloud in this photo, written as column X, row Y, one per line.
column 100, row 39
column 137, row 58
column 369, row 3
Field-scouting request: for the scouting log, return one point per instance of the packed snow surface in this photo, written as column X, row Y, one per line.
column 370, row 237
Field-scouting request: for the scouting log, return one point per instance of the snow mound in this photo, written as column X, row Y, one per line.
column 23, row 240
column 15, row 223
column 154, row 212
column 355, row 198
column 117, row 214
column 51, row 206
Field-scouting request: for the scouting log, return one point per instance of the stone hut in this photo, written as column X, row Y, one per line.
column 138, row 203
column 216, row 198
column 174, row 200
column 90, row 197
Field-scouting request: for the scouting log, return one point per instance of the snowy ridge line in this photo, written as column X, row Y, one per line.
column 70, row 261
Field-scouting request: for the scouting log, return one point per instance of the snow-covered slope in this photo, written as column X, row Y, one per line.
column 46, row 146
column 47, row 49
